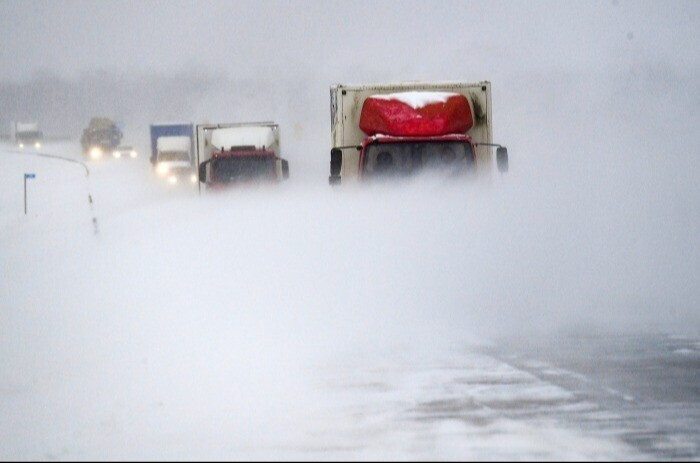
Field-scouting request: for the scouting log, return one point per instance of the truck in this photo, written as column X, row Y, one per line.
column 403, row 129
column 100, row 137
column 172, row 151
column 239, row 154
column 27, row 134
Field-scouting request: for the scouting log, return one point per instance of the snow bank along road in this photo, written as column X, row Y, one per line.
column 309, row 323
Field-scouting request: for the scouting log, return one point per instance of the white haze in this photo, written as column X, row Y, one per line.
column 212, row 326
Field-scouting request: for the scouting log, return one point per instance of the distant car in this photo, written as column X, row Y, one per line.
column 125, row 152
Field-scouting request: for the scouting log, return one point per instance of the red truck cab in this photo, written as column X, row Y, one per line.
column 239, row 154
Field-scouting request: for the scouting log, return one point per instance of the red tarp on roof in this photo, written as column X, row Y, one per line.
column 392, row 116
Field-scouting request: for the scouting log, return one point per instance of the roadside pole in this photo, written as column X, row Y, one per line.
column 26, row 176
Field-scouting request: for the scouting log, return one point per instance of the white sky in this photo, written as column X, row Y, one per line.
column 302, row 37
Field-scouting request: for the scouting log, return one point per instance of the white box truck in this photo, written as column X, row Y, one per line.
column 172, row 151
column 403, row 129
column 26, row 134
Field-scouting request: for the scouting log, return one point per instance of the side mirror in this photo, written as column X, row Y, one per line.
column 336, row 161
column 502, row 158
column 285, row 169
column 203, row 172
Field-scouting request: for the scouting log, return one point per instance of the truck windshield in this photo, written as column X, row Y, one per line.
column 242, row 169
column 170, row 156
column 104, row 137
column 31, row 135
column 410, row 158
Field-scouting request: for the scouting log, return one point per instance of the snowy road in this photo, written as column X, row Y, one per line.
column 293, row 324
column 595, row 397
column 646, row 387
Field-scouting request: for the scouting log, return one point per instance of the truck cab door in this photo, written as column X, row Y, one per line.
column 285, row 169
column 203, row 172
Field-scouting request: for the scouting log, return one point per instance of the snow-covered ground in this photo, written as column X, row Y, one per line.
column 302, row 322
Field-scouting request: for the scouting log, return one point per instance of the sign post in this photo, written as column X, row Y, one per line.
column 26, row 176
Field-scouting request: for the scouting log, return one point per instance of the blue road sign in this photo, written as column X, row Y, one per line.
column 29, row 175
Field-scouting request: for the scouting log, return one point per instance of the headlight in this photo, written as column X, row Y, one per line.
column 162, row 169
column 117, row 154
column 133, row 154
column 172, row 179
column 37, row 145
column 193, row 178
column 95, row 152
column 21, row 145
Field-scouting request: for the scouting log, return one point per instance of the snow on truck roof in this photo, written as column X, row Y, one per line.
column 243, row 136
column 418, row 100
column 27, row 126
column 180, row 143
